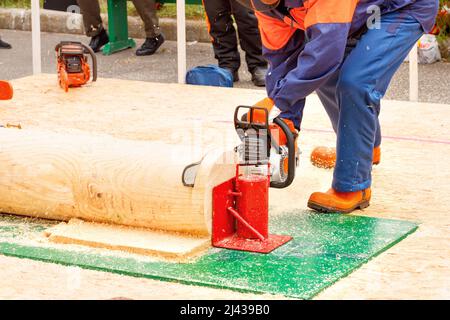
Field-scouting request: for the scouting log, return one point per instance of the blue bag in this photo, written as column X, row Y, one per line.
column 210, row 75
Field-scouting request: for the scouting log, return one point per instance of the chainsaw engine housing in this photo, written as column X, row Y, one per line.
column 259, row 147
column 73, row 67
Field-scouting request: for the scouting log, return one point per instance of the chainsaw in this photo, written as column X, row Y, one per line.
column 264, row 146
column 72, row 64
column 264, row 149
column 268, row 157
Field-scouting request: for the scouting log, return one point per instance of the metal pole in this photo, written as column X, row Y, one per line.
column 181, row 40
column 36, row 36
column 413, row 75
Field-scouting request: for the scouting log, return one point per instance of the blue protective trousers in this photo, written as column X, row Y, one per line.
column 352, row 96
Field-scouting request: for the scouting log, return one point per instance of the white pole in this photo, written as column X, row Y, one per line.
column 181, row 40
column 36, row 36
column 413, row 75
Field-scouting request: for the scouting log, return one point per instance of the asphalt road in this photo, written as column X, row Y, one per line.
column 162, row 67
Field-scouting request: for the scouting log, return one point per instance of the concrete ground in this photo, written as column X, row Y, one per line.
column 162, row 67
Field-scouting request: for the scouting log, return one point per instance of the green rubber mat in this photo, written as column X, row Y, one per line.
column 325, row 249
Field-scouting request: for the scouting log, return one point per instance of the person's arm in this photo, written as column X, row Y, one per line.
column 327, row 25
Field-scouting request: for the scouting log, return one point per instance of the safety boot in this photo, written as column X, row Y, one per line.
column 234, row 73
column 324, row 157
column 259, row 76
column 98, row 41
column 334, row 201
column 4, row 45
column 150, row 46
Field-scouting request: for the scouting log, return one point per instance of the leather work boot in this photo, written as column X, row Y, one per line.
column 99, row 41
column 324, row 157
column 4, row 45
column 259, row 76
column 234, row 73
column 333, row 201
column 150, row 46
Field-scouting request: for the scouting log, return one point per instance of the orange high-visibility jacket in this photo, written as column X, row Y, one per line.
column 305, row 40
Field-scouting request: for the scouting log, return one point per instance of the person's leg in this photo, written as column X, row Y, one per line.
column 154, row 37
column 325, row 157
column 249, row 36
column 330, row 101
column 223, row 34
column 147, row 12
column 363, row 81
column 93, row 24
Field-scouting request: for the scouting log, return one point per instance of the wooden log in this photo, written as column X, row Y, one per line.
column 99, row 178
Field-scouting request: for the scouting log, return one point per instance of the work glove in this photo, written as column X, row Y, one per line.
column 269, row 105
column 274, row 113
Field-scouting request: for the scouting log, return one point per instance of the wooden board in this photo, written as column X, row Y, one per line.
column 172, row 246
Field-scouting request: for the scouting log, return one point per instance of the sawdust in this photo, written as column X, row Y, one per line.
column 164, row 245
column 411, row 183
column 23, row 235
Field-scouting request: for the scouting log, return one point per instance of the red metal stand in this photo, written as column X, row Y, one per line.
column 241, row 215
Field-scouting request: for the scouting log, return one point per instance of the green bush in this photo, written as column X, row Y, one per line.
column 15, row 3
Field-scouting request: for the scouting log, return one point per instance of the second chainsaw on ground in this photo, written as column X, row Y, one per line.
column 72, row 64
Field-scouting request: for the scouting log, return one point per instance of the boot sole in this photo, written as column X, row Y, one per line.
column 322, row 209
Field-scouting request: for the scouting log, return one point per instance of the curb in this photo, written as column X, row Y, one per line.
column 72, row 23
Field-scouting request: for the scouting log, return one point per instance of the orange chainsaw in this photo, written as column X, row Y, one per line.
column 73, row 67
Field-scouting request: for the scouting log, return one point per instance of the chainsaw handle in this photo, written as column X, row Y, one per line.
column 94, row 61
column 291, row 158
column 245, row 123
column 87, row 49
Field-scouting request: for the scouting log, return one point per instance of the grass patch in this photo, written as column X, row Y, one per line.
column 17, row 3
column 194, row 12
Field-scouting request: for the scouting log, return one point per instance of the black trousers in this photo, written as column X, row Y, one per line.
column 225, row 41
column 90, row 9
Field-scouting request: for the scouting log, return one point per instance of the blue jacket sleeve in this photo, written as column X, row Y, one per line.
column 321, row 57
